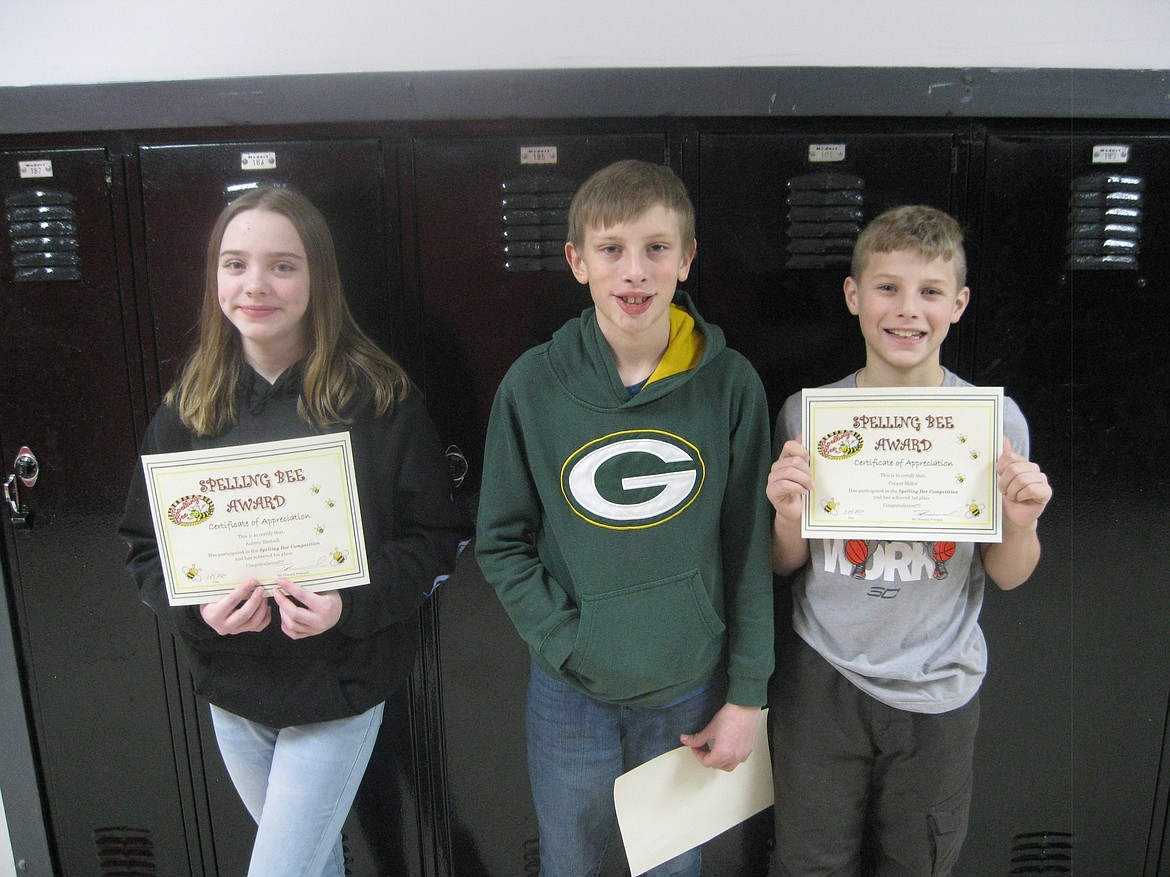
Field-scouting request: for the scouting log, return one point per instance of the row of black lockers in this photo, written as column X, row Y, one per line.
column 449, row 249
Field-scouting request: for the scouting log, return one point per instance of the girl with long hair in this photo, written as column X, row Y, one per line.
column 297, row 680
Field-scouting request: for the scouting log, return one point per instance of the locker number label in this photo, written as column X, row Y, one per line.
column 34, row 170
column 538, row 155
column 1110, row 154
column 826, row 152
column 257, row 161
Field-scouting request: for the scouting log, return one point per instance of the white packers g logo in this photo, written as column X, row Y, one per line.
column 633, row 479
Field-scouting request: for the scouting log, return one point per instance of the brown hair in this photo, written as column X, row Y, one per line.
column 624, row 191
column 925, row 230
column 341, row 359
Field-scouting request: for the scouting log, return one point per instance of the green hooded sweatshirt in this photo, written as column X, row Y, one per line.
column 628, row 536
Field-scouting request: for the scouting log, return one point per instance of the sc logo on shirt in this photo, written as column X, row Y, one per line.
column 633, row 479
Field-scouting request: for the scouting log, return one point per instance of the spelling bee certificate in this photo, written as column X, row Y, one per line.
column 913, row 463
column 285, row 508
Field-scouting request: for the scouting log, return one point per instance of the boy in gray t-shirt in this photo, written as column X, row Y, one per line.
column 874, row 707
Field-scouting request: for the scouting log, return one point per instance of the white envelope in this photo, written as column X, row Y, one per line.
column 672, row 803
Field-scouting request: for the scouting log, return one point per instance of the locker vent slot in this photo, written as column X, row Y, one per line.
column 824, row 219
column 534, row 222
column 42, row 230
column 1105, row 221
column 125, row 852
column 1042, row 852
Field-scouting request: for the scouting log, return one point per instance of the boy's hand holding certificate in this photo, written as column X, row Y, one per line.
column 903, row 463
column 285, row 508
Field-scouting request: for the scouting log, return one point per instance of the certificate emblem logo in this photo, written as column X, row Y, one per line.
column 840, row 445
column 187, row 511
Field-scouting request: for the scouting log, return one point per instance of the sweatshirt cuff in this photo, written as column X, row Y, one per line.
column 189, row 622
column 747, row 691
column 346, row 612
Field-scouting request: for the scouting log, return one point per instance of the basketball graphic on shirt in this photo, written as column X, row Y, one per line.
column 943, row 551
column 857, row 550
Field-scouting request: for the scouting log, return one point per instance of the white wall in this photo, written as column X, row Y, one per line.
column 77, row 41
column 7, row 862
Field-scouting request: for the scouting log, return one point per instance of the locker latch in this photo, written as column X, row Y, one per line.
column 26, row 471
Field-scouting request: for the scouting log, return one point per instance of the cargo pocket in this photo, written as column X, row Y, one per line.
column 646, row 637
column 948, row 829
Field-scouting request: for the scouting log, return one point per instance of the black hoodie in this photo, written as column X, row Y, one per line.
column 412, row 528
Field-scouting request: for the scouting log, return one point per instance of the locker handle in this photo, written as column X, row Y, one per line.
column 27, row 470
column 26, row 466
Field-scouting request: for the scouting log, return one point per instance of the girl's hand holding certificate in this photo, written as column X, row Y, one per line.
column 305, row 613
column 244, row 609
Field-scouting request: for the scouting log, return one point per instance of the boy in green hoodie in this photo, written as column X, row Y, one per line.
column 623, row 524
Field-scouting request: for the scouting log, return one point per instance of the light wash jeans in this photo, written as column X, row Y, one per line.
column 298, row 783
column 577, row 747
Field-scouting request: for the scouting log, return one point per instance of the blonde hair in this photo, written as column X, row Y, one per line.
column 342, row 363
column 625, row 190
column 925, row 230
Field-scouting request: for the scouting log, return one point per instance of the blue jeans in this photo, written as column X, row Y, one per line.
column 577, row 747
column 298, row 783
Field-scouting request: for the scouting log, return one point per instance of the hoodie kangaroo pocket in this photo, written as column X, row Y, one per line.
column 646, row 637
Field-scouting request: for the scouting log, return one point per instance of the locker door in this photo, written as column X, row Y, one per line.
column 183, row 188
column 95, row 670
column 493, row 282
column 22, row 823
column 778, row 215
column 1072, row 321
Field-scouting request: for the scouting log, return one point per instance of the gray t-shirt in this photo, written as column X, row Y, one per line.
column 899, row 619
